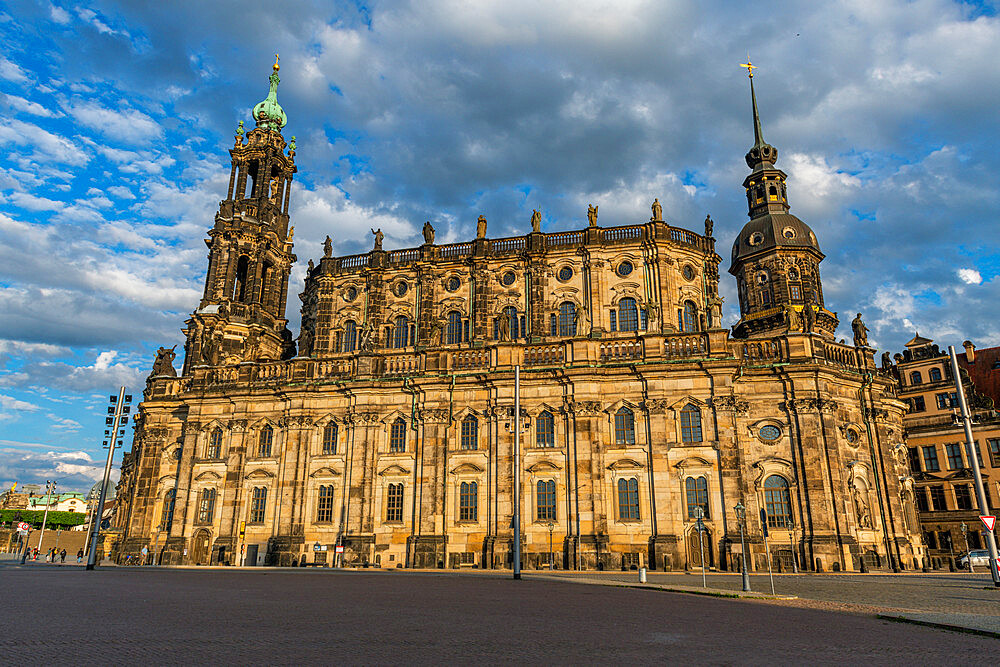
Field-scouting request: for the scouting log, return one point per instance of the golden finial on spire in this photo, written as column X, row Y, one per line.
column 750, row 67
column 276, row 66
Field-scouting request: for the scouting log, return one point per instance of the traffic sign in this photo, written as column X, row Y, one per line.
column 988, row 521
column 23, row 526
column 338, row 549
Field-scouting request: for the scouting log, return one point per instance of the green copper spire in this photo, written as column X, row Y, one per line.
column 762, row 154
column 269, row 113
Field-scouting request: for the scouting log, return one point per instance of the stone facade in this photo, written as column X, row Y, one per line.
column 391, row 432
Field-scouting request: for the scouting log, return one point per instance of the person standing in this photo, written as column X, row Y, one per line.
column 62, row 556
column 79, row 556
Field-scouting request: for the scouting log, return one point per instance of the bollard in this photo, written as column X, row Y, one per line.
column 642, row 575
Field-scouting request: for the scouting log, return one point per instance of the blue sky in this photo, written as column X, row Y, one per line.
column 115, row 122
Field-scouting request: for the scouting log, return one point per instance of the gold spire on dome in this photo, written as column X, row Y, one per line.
column 750, row 67
column 276, row 66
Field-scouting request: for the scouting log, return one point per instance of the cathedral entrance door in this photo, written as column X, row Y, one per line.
column 694, row 549
column 201, row 554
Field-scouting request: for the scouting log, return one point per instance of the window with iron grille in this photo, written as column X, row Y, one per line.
column 397, row 436
column 931, row 459
column 394, row 503
column 954, row 453
column 567, row 318
column 324, row 505
column 330, row 438
column 470, row 432
column 468, row 501
column 264, row 442
column 206, row 506
column 697, row 495
column 258, row 502
column 628, row 499
column 214, row 444
column 545, row 431
column 350, row 336
column 938, row 502
column 778, row 501
column 691, row 423
column 628, row 315
column 454, row 327
column 624, row 426
column 546, row 500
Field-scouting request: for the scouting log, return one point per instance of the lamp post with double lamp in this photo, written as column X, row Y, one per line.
column 741, row 518
column 118, row 416
column 49, row 488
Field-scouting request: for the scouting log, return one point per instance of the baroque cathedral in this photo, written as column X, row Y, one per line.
column 648, row 433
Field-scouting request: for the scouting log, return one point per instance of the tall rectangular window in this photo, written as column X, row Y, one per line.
column 690, row 423
column 330, row 438
column 397, row 436
column 628, row 499
column 468, row 501
column 697, row 495
column 545, row 498
column 567, row 319
column 914, row 459
column 264, row 442
column 214, row 444
column 921, row 497
column 168, row 509
column 963, row 498
column 206, row 506
column 796, row 293
column 394, row 503
column 324, row 506
column 258, row 502
column 470, row 433
column 954, row 453
column 994, row 446
column 930, row 459
column 918, row 404
column 545, row 430
column 938, row 503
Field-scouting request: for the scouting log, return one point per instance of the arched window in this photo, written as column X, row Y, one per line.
column 264, row 441
column 394, row 503
column 628, row 498
column 397, row 436
column 697, row 495
column 935, row 374
column 401, row 332
column 167, row 518
column 628, row 315
column 265, row 270
column 545, row 430
column 258, row 503
column 691, row 423
column 778, row 501
column 545, row 496
column 567, row 318
column 690, row 318
column 454, row 327
column 240, row 286
column 214, row 449
column 206, row 506
column 916, row 377
column 468, row 502
column 624, row 426
column 324, row 506
column 470, row 432
column 330, row 438
column 350, row 336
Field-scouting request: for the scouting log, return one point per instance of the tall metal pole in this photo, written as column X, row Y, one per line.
column 516, row 491
column 973, row 453
column 741, row 517
column 49, row 488
column 791, row 543
column 95, row 523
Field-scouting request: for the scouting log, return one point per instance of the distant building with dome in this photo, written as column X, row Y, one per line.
column 387, row 428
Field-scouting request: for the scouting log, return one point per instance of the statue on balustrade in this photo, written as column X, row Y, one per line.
column 252, row 347
column 328, row 247
column 657, row 211
column 366, row 341
column 481, row 228
column 592, row 215
column 378, row 238
column 791, row 319
column 582, row 321
column 536, row 221
column 164, row 363
column 428, row 233
column 808, row 318
column 860, row 332
column 709, row 226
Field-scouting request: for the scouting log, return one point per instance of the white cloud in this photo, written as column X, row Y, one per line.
column 27, row 106
column 123, row 124
column 34, row 203
column 970, row 276
column 12, row 71
column 59, row 15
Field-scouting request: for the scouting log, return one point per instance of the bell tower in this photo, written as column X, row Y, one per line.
column 776, row 256
column 241, row 316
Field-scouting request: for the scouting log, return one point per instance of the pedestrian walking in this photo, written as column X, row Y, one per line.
column 48, row 556
column 34, row 554
column 62, row 556
column 79, row 556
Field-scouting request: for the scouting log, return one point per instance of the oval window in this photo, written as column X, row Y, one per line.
column 756, row 238
column 508, row 278
column 625, row 268
column 770, row 433
column 454, row 283
column 401, row 288
column 788, row 233
column 565, row 273
column 688, row 272
column 351, row 294
column 852, row 435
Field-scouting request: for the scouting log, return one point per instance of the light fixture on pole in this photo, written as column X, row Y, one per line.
column 699, row 525
column 741, row 518
column 49, row 488
column 516, row 488
column 118, row 411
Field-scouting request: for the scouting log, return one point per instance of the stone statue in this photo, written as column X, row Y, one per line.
column 582, row 321
column 328, row 247
column 481, row 228
column 791, row 319
column 709, row 226
column 311, row 266
column 536, row 221
column 592, row 215
column 808, row 318
column 275, row 187
column 715, row 311
column 860, row 332
column 378, row 238
column 428, row 233
column 164, row 363
column 886, row 360
column 239, row 133
column 366, row 341
column 291, row 232
column 211, row 342
column 657, row 211
column 503, row 328
column 861, row 507
column 252, row 347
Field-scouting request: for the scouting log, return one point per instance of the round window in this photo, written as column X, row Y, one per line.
column 852, row 435
column 508, row 278
column 788, row 233
column 400, row 288
column 351, row 294
column 688, row 272
column 565, row 273
column 625, row 268
column 770, row 433
column 454, row 283
column 756, row 238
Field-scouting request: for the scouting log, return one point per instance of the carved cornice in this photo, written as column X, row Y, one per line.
column 731, row 404
column 433, row 416
column 655, row 405
column 238, row 424
column 875, row 413
column 295, row 421
column 809, row 405
column 585, row 408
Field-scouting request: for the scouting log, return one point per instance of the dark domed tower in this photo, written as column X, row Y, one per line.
column 241, row 316
column 776, row 256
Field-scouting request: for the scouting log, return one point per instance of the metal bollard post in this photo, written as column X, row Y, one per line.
column 642, row 575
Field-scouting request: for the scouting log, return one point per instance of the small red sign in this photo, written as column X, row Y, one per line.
column 23, row 526
column 989, row 522
column 338, row 549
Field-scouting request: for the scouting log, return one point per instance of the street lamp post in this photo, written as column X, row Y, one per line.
column 699, row 525
column 516, row 489
column 552, row 525
column 741, row 517
column 49, row 488
column 968, row 554
column 119, row 417
column 791, row 538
